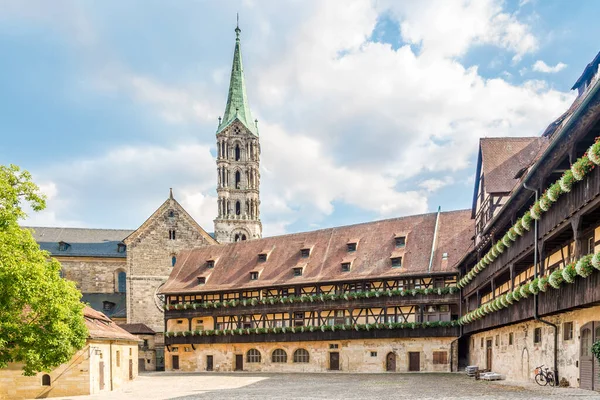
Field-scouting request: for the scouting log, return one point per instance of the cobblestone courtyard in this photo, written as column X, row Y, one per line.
column 187, row 386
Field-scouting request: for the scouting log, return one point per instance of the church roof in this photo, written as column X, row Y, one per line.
column 375, row 246
column 81, row 241
column 237, row 107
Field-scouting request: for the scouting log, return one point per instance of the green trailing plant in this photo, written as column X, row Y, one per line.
column 569, row 273
column 566, row 181
column 556, row 279
column 582, row 167
column 554, row 192
column 543, row 283
column 584, row 266
column 596, row 350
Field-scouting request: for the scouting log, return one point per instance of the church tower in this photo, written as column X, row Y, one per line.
column 238, row 158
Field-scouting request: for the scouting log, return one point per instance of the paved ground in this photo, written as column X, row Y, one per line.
column 187, row 386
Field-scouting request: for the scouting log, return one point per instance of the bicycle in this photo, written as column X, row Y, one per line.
column 544, row 376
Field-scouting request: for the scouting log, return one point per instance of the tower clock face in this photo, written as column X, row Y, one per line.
column 159, row 299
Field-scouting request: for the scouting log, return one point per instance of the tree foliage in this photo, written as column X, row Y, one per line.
column 41, row 319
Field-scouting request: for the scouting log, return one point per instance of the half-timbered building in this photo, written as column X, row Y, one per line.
column 531, row 285
column 370, row 297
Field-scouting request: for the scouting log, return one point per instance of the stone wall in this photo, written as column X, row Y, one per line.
column 355, row 355
column 93, row 274
column 518, row 360
column 80, row 376
column 150, row 252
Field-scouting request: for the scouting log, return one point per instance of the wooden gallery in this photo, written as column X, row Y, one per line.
column 509, row 285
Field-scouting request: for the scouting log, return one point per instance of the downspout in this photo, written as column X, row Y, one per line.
column 433, row 243
column 111, row 367
column 535, row 296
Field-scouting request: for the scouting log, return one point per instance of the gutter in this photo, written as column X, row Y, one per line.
column 588, row 97
column 536, row 296
column 433, row 243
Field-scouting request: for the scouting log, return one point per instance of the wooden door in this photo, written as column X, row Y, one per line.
column 414, row 361
column 131, row 369
column 175, row 362
column 141, row 364
column 334, row 361
column 390, row 362
column 588, row 366
column 101, row 374
column 209, row 363
column 488, row 354
column 239, row 362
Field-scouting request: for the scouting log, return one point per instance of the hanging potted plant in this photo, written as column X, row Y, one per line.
column 543, row 284
column 596, row 261
column 582, row 167
column 526, row 221
column 533, row 286
column 566, row 181
column 536, row 211
column 516, row 294
column 556, row 279
column 594, row 152
column 569, row 273
column 584, row 266
column 524, row 290
column 554, row 192
column 545, row 202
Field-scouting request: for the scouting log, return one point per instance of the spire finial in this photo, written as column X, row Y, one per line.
column 170, row 193
column 237, row 27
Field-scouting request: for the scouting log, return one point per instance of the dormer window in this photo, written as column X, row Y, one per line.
column 396, row 262
column 298, row 271
column 171, row 234
column 262, row 257
column 444, row 256
column 351, row 246
column 201, row 280
column 107, row 305
column 63, row 246
column 346, row 266
column 305, row 253
column 121, row 248
column 400, row 241
column 210, row 264
column 253, row 275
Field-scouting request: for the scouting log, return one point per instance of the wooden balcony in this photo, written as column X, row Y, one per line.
column 317, row 335
column 375, row 302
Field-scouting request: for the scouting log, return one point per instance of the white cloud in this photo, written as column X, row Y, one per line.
column 433, row 185
column 541, row 66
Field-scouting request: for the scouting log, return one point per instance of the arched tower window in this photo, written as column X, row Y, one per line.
column 122, row 282
column 243, row 237
column 238, row 208
column 45, row 380
column 237, row 152
column 238, row 179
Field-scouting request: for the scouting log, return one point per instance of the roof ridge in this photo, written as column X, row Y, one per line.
column 74, row 228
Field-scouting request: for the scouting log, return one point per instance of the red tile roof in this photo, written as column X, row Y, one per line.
column 371, row 259
column 502, row 158
column 102, row 327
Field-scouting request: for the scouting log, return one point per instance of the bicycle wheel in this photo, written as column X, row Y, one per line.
column 540, row 380
column 550, row 378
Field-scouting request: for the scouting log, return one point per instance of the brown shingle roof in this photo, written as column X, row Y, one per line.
column 370, row 260
column 102, row 327
column 140, row 329
column 503, row 158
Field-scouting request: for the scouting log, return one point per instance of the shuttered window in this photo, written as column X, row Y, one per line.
column 440, row 357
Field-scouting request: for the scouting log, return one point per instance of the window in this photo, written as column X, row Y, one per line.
column 145, row 343
column 237, row 152
column 238, row 180
column 210, row 264
column 396, row 262
column 567, row 331
column 586, row 342
column 537, row 335
column 440, row 357
column 121, row 248
column 400, row 241
column 174, row 349
column 63, row 246
column 201, row 280
column 45, row 380
column 130, row 351
column 262, row 257
column 373, row 354
column 497, row 340
column 180, row 321
column 345, row 267
column 107, row 305
column 253, row 275
column 298, row 271
column 279, row 356
column 333, row 345
column 118, row 357
column 187, row 349
column 253, row 356
column 171, row 214
column 173, row 261
column 444, row 256
column 510, row 339
column 121, row 282
column 351, row 246
column 238, row 208
column 589, row 244
column 172, row 234
column 301, row 356
column 482, row 343
column 305, row 253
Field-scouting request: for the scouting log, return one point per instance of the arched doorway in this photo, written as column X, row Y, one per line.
column 390, row 362
column 589, row 368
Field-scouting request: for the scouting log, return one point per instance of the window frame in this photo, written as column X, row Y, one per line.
column 537, row 335
column 301, row 355
column 346, row 266
column 254, row 357
column 568, row 324
column 279, row 356
column 396, row 262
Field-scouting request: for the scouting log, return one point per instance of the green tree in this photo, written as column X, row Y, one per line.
column 41, row 319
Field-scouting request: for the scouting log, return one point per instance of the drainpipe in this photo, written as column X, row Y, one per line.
column 111, row 367
column 535, row 296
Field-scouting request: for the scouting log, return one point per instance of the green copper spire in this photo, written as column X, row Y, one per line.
column 237, row 103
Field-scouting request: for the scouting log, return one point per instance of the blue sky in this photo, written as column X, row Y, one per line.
column 366, row 110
